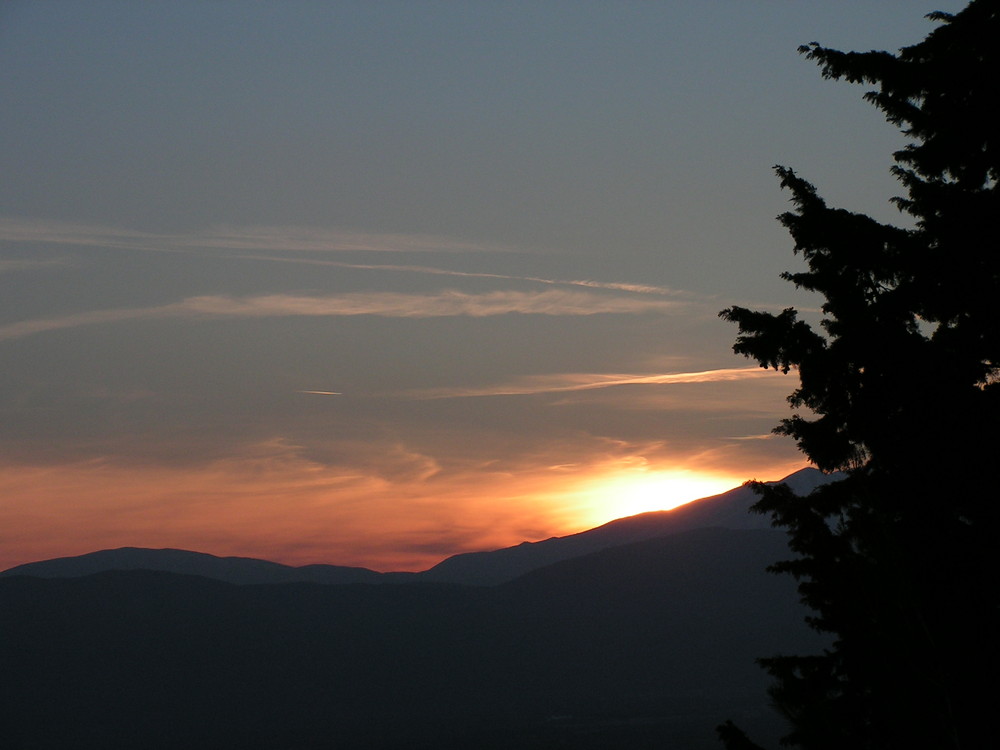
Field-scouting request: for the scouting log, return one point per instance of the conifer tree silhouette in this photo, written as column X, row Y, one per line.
column 899, row 387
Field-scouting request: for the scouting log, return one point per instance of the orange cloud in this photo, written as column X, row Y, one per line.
column 568, row 382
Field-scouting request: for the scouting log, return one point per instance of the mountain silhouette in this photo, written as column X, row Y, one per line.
column 239, row 570
column 639, row 645
column 728, row 510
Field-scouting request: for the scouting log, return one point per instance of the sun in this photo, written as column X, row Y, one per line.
column 628, row 493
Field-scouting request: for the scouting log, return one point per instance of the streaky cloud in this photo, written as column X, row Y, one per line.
column 62, row 233
column 11, row 265
column 430, row 270
column 289, row 239
column 567, row 382
column 299, row 238
column 246, row 239
column 26, row 328
column 448, row 303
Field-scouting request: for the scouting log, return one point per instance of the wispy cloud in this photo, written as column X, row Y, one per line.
column 246, row 239
column 308, row 239
column 567, row 382
column 25, row 328
column 81, row 235
column 447, row 303
column 430, row 270
column 10, row 265
column 287, row 239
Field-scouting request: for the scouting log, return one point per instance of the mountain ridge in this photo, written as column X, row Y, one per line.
column 230, row 569
column 644, row 645
column 730, row 509
column 485, row 568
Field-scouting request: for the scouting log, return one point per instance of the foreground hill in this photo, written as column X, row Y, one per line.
column 727, row 510
column 642, row 645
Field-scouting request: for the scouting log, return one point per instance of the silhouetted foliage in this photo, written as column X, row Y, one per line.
column 898, row 387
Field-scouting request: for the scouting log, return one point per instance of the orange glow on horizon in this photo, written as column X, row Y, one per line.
column 642, row 490
column 273, row 503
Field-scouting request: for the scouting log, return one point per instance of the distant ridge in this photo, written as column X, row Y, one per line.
column 728, row 510
column 239, row 570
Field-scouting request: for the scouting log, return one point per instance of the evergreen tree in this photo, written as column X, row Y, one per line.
column 900, row 388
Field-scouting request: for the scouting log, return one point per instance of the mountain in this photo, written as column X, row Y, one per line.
column 727, row 510
column 640, row 645
column 239, row 570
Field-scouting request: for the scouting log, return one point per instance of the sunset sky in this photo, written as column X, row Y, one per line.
column 373, row 283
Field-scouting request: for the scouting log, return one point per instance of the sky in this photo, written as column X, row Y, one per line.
column 375, row 283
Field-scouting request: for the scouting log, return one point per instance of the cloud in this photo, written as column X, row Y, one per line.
column 730, row 401
column 60, row 233
column 297, row 238
column 287, row 239
column 568, row 382
column 430, row 270
column 448, row 303
column 25, row 328
column 251, row 239
column 10, row 265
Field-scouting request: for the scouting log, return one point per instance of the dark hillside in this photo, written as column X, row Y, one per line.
column 649, row 643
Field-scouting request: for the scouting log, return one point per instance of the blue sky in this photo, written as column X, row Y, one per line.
column 377, row 282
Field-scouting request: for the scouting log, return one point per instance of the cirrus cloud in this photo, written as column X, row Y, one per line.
column 447, row 303
column 585, row 381
column 239, row 238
